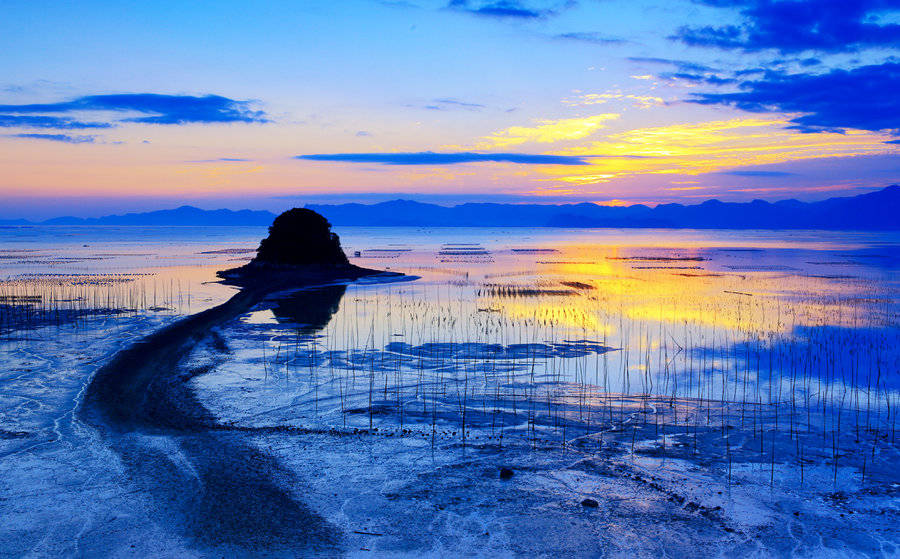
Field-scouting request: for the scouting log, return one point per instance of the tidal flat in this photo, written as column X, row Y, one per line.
column 520, row 392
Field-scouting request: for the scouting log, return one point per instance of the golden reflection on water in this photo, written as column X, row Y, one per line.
column 665, row 310
column 684, row 286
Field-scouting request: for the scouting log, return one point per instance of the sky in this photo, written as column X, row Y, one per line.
column 126, row 106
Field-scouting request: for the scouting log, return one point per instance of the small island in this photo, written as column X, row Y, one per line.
column 301, row 248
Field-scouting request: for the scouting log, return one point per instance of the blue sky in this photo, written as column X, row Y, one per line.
column 109, row 106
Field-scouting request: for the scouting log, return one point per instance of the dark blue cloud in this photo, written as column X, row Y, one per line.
column 56, row 138
column 513, row 9
column 157, row 108
column 432, row 158
column 864, row 98
column 43, row 121
column 792, row 26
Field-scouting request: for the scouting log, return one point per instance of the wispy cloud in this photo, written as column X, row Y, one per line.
column 590, row 37
column 686, row 188
column 709, row 79
column 681, row 65
column 685, row 70
column 42, row 121
column 758, row 173
column 708, row 147
column 433, row 158
column 511, row 9
column 449, row 103
column 547, row 131
column 640, row 101
column 222, row 160
column 153, row 108
column 65, row 138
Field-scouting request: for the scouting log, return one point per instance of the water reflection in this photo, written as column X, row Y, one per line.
column 309, row 309
column 592, row 339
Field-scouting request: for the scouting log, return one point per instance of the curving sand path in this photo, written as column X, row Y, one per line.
column 205, row 482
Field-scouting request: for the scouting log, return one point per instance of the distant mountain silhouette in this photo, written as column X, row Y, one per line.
column 185, row 215
column 878, row 210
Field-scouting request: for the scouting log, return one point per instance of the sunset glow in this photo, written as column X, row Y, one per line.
column 646, row 106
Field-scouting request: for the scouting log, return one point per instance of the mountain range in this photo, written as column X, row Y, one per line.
column 879, row 210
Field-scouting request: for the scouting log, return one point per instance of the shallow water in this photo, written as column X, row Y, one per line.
column 727, row 391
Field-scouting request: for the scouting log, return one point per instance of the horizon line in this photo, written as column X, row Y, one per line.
column 535, row 202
